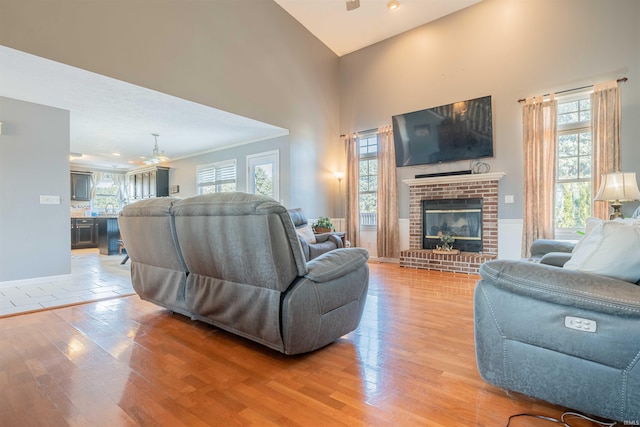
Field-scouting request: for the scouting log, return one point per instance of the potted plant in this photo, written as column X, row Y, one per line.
column 322, row 225
column 447, row 244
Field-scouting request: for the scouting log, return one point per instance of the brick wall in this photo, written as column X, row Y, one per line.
column 468, row 187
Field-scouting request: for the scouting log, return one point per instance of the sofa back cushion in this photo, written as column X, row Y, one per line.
column 611, row 249
column 146, row 227
column 158, row 271
column 239, row 238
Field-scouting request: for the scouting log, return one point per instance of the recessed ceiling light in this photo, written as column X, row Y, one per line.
column 393, row 4
column 115, row 154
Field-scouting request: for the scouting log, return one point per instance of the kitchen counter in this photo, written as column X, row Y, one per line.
column 95, row 217
column 108, row 235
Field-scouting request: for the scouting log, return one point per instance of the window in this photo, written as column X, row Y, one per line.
column 573, row 192
column 217, row 177
column 368, row 179
column 107, row 194
column 264, row 174
column 106, row 199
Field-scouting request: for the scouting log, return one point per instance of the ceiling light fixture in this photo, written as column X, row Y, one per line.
column 353, row 4
column 393, row 4
column 156, row 157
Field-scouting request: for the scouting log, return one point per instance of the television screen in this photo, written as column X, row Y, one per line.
column 458, row 131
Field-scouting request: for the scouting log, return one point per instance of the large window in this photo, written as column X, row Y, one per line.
column 217, row 177
column 573, row 194
column 368, row 178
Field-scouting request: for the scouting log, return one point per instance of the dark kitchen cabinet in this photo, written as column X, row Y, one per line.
column 84, row 233
column 148, row 183
column 81, row 186
column 108, row 236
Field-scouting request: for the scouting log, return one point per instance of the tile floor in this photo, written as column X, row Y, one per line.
column 93, row 277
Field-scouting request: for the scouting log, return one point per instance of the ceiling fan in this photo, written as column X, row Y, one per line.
column 353, row 4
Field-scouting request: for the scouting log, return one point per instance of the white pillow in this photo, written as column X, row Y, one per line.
column 306, row 233
column 611, row 249
column 591, row 224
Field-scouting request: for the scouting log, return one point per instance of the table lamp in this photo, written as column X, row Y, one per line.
column 616, row 188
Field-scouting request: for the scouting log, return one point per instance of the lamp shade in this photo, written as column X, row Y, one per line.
column 618, row 187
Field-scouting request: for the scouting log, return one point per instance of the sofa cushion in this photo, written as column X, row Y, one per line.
column 611, row 249
column 306, row 233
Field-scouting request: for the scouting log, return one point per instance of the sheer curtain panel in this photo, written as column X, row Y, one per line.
column 388, row 241
column 353, row 210
column 539, row 123
column 605, row 130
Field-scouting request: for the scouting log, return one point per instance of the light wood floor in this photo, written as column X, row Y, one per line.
column 125, row 362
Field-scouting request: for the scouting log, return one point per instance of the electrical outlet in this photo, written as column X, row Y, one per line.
column 49, row 200
column 509, row 198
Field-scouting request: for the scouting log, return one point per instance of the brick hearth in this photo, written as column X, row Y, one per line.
column 483, row 186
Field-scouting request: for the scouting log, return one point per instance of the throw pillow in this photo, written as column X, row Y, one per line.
column 307, row 233
column 591, row 224
column 611, row 249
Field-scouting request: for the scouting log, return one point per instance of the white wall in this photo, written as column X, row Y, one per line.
column 508, row 49
column 243, row 56
column 35, row 238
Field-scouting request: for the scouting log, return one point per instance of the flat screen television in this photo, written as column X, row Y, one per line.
column 449, row 133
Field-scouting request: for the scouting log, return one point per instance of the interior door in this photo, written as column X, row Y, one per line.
column 263, row 174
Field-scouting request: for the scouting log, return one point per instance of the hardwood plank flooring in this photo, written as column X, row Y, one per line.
column 126, row 362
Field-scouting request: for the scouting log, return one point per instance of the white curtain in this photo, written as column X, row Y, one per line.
column 539, row 123
column 387, row 211
column 352, row 183
column 605, row 133
column 119, row 180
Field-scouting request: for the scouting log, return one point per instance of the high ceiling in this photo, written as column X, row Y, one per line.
column 110, row 116
column 347, row 31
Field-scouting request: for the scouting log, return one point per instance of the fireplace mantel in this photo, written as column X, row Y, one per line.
column 475, row 177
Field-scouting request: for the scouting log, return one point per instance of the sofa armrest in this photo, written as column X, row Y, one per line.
column 335, row 264
column 324, row 237
column 541, row 247
column 327, row 303
column 557, row 259
column 566, row 287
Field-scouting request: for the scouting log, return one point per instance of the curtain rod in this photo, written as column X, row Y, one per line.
column 361, row 131
column 622, row 80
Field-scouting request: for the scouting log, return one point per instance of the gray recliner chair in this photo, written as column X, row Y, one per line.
column 568, row 337
column 234, row 260
column 313, row 245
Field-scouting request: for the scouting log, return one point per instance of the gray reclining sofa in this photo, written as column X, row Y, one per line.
column 234, row 260
column 567, row 337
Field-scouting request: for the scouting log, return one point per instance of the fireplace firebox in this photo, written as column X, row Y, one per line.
column 460, row 218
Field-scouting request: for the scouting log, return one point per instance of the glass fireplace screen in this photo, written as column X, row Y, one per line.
column 461, row 219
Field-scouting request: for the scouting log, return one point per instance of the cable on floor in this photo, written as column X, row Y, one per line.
column 563, row 419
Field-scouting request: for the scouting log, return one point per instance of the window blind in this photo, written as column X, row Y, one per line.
column 214, row 175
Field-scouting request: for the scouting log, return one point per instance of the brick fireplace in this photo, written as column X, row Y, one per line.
column 475, row 186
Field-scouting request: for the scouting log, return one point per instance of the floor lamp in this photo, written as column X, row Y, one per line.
column 339, row 176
